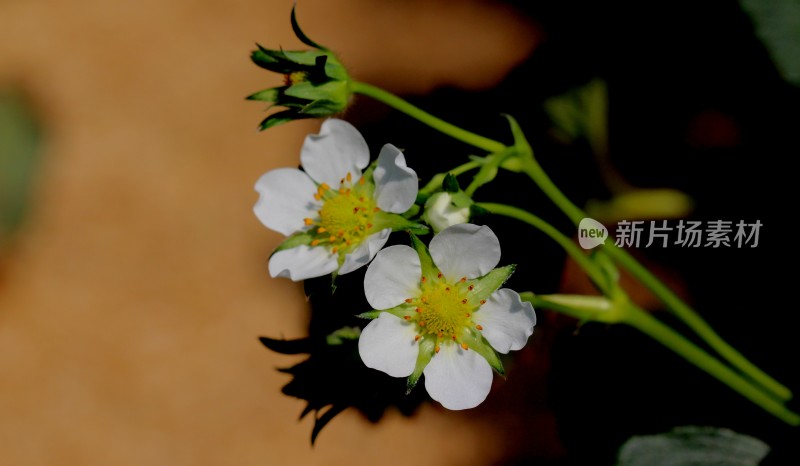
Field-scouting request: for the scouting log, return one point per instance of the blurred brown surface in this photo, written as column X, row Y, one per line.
column 130, row 306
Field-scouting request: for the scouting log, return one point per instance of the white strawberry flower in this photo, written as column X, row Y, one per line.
column 336, row 215
column 441, row 312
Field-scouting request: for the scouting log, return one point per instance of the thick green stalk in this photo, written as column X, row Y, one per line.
column 604, row 311
column 438, row 124
column 670, row 299
column 689, row 351
column 696, row 323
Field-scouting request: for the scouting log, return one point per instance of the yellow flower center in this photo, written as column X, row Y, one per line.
column 345, row 218
column 443, row 310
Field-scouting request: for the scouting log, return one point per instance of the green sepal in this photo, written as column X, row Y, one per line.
column 299, row 32
column 427, row 347
column 489, row 283
column 332, row 90
column 429, row 269
column 268, row 95
column 521, row 146
column 396, row 222
column 274, row 61
column 450, row 184
column 307, row 58
column 321, row 108
column 338, row 337
column 280, row 118
column 477, row 211
column 369, row 315
column 476, row 342
column 297, row 239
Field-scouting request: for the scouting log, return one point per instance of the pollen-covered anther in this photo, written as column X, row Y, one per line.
column 483, row 301
column 417, row 337
column 471, row 287
column 423, row 280
column 421, row 323
column 308, row 221
column 321, row 230
column 349, row 177
column 407, row 317
column 464, row 301
column 409, row 301
column 440, row 334
column 479, row 327
column 439, row 275
column 334, row 249
column 463, row 279
column 315, row 242
column 454, row 337
column 436, row 349
column 419, row 309
column 464, row 346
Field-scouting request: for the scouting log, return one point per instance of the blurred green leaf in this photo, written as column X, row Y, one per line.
column 777, row 24
column 697, row 446
column 19, row 153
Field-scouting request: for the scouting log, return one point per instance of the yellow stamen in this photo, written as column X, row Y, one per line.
column 464, row 346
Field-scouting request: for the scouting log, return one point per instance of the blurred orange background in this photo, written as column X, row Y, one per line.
column 132, row 299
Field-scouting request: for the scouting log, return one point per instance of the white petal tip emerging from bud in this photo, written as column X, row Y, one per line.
column 441, row 212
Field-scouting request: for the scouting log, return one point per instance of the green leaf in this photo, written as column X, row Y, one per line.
column 299, row 32
column 340, row 336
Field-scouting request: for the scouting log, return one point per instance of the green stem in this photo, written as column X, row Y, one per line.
column 574, row 252
column 532, row 168
column 696, row 323
column 668, row 337
column 595, row 308
column 670, row 299
column 438, row 124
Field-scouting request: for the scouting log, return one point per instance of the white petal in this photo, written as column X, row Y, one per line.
column 465, row 250
column 396, row 185
column 392, row 277
column 286, row 197
column 338, row 149
column 365, row 251
column 387, row 344
column 458, row 378
column 302, row 262
column 507, row 321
